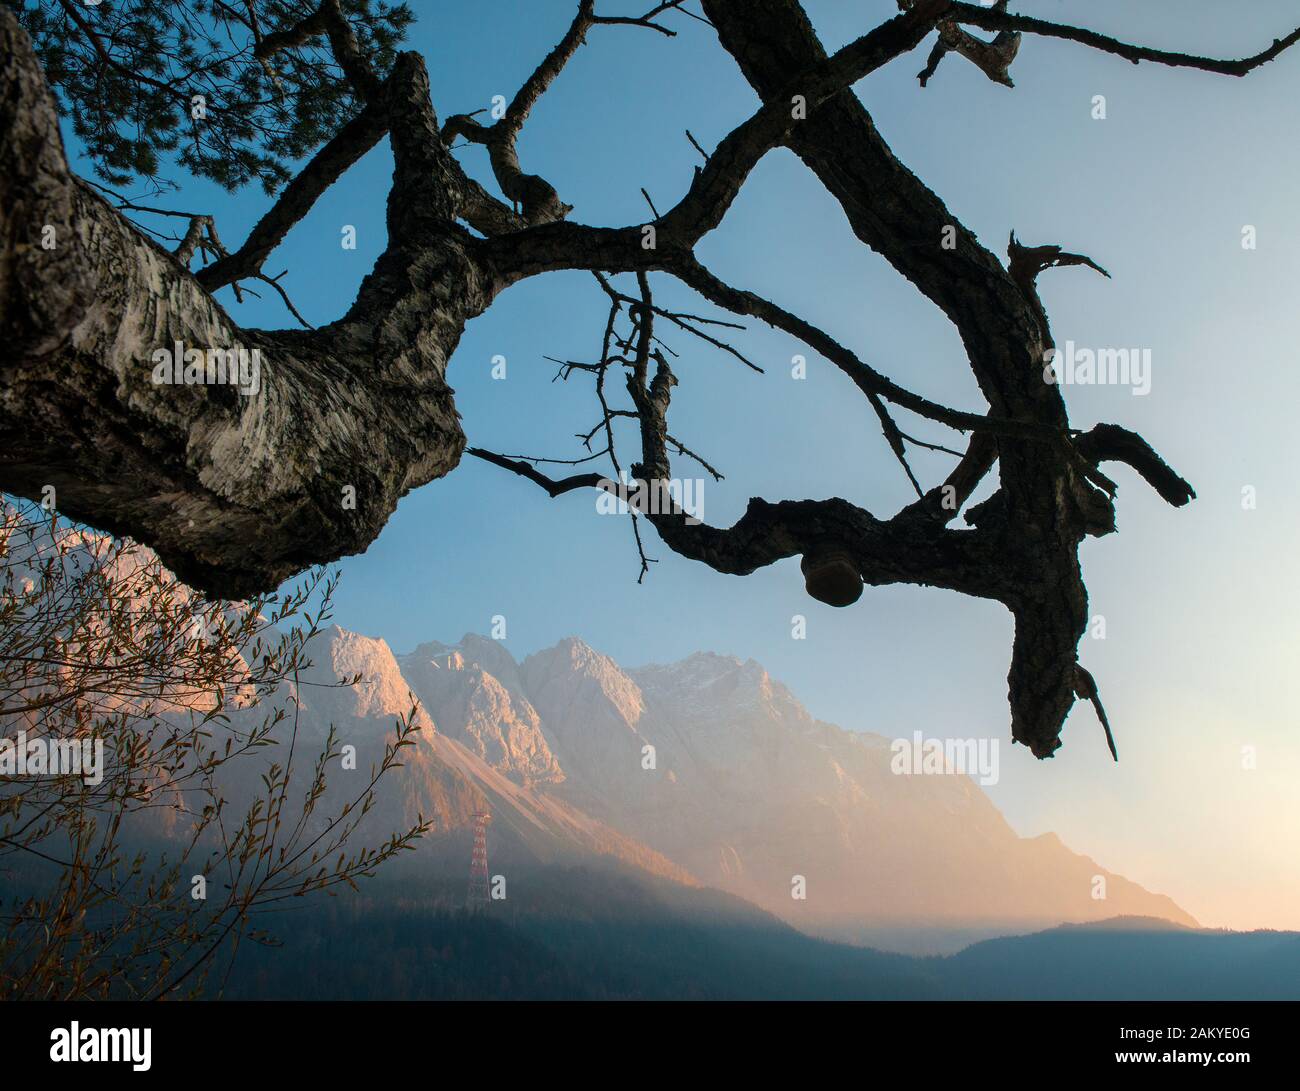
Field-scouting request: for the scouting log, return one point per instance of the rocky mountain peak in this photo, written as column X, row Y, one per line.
column 713, row 765
column 474, row 693
column 338, row 654
column 571, row 675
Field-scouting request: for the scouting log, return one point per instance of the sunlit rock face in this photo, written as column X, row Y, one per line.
column 479, row 701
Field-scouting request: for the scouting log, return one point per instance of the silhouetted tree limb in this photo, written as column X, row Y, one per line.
column 237, row 493
column 999, row 19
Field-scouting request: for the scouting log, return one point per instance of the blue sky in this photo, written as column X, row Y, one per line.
column 1200, row 603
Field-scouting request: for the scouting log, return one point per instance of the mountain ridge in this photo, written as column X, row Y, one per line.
column 714, row 765
column 702, row 772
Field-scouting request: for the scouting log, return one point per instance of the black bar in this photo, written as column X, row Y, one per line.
column 670, row 1042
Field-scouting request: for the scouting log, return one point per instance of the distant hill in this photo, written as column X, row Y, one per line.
column 602, row 931
column 608, row 932
column 1129, row 960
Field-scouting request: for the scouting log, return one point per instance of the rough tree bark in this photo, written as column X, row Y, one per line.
column 237, row 493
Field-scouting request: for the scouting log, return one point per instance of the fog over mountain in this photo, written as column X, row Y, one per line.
column 650, row 825
column 701, row 773
column 742, row 790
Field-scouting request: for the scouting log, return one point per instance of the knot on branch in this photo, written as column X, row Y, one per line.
column 831, row 574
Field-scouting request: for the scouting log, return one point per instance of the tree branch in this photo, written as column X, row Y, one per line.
column 552, row 486
column 1111, row 443
column 996, row 19
column 325, row 168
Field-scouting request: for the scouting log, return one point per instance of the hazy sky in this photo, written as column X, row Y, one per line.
column 1200, row 604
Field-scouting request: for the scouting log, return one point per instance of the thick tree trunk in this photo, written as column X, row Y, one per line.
column 235, row 492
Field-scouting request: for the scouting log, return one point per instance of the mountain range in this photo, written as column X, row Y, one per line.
column 706, row 772
column 678, row 830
